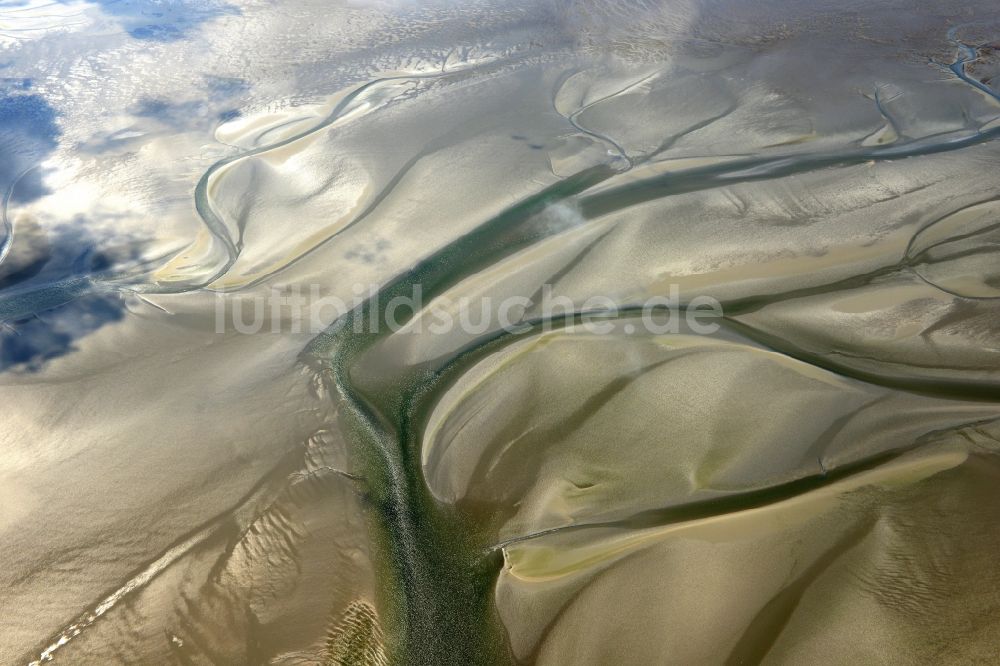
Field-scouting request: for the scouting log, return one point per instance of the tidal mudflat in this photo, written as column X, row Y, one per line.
column 499, row 332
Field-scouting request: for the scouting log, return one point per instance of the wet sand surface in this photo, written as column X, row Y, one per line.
column 811, row 479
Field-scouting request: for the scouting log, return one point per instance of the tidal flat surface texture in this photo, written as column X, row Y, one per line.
column 584, row 332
